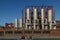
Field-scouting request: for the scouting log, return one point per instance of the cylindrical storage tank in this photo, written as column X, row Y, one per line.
column 35, row 13
column 27, row 17
column 16, row 23
column 42, row 16
column 50, row 12
column 20, row 22
column 35, row 17
column 28, row 13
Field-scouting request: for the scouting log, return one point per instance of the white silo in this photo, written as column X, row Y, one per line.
column 27, row 18
column 16, row 24
column 42, row 17
column 35, row 17
column 28, row 12
column 50, row 12
column 20, row 22
column 35, row 13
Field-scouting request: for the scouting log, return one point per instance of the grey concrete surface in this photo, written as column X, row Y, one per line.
column 27, row 37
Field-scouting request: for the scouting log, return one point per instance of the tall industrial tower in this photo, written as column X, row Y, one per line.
column 38, row 17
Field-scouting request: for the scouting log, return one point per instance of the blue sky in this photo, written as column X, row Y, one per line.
column 11, row 9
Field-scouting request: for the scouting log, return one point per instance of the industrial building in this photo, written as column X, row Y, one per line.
column 37, row 21
column 39, row 18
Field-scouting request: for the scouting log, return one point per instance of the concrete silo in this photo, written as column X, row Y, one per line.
column 16, row 23
column 50, row 16
column 42, row 16
column 35, row 17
